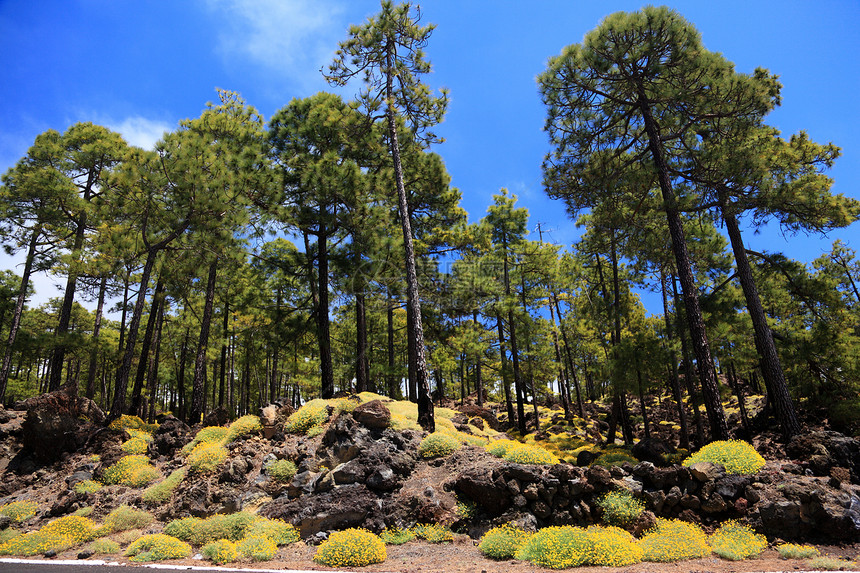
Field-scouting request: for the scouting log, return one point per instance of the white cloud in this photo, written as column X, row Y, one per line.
column 140, row 131
column 293, row 37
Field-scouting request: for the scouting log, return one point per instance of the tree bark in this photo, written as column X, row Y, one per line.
column 91, row 369
column 198, row 386
column 137, row 402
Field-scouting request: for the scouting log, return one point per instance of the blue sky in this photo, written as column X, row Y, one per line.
column 140, row 67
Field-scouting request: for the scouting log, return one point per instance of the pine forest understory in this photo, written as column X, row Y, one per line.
column 322, row 252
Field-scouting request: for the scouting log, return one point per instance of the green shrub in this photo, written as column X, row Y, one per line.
column 85, row 511
column 503, row 542
column 135, row 445
column 557, row 547
column 313, row 413
column 220, row 552
column 124, row 518
column 242, row 427
column 620, row 507
column 184, row 528
column 281, row 470
column 433, row 532
column 315, row 430
column 674, row 540
column 278, row 530
column 614, row 458
column 126, row 537
column 103, row 546
column 8, row 534
column 19, row 510
column 466, row 509
column 131, row 471
column 206, row 457
column 827, row 563
column 162, row 491
column 201, row 531
column 207, row 435
column 157, row 547
column 438, row 444
column 499, row 448
column 612, row 547
column 36, row 543
column 257, row 548
column 125, row 422
column 737, row 456
column 735, row 541
column 794, row 551
column 87, row 486
column 396, row 536
column 75, row 527
column 526, row 454
column 351, row 548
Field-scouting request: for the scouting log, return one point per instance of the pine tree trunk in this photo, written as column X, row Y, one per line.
column 198, row 396
column 393, row 387
column 222, row 373
column 323, row 323
column 570, row 364
column 19, row 311
column 503, row 354
column 479, row 382
column 674, row 380
column 361, row 367
column 771, row 368
column 704, row 361
column 91, row 370
column 137, row 402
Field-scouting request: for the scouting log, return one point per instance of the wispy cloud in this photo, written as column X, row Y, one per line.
column 140, row 131
column 293, row 38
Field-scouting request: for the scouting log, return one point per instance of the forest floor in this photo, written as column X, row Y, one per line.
column 463, row 556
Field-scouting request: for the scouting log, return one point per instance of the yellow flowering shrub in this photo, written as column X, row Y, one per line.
column 19, row 510
column 201, row 531
column 557, row 547
column 132, row 471
column 795, row 551
column 103, row 546
column 185, row 529
column 499, row 448
column 78, row 529
column 220, row 552
column 278, row 530
column 87, row 486
column 433, row 532
column 612, row 547
column 674, row 540
column 351, row 548
column 207, row 435
column 737, row 456
column 620, row 507
column 312, row 413
column 206, row 457
column 36, row 543
column 438, row 444
column 503, row 542
column 162, row 491
column 125, row 422
column 242, row 427
column 736, row 541
column 257, row 548
column 135, row 445
column 157, row 547
column 526, row 454
column 124, row 518
column 396, row 535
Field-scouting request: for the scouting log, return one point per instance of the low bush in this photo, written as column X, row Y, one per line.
column 737, row 456
column 674, row 540
column 532, row 455
column 396, row 536
column 206, row 457
column 557, row 547
column 438, row 444
column 131, row 471
column 614, row 458
column 157, row 547
column 220, row 552
column 207, row 435
column 794, row 551
column 281, row 470
column 124, row 518
column 503, row 542
column 135, row 446
column 620, row 508
column 312, row 413
column 736, row 541
column 162, row 491
column 351, row 548
column 19, row 510
column 278, row 530
column 103, row 546
column 78, row 529
column 257, row 548
column 36, row 543
column 87, row 486
column 827, row 563
column 612, row 547
column 198, row 531
column 242, row 427
column 184, row 528
column 433, row 532
column 499, row 448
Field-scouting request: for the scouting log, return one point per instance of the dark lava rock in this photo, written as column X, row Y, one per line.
column 654, row 450
column 347, row 506
column 373, row 414
column 825, row 450
column 217, row 417
column 52, row 425
column 172, row 434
